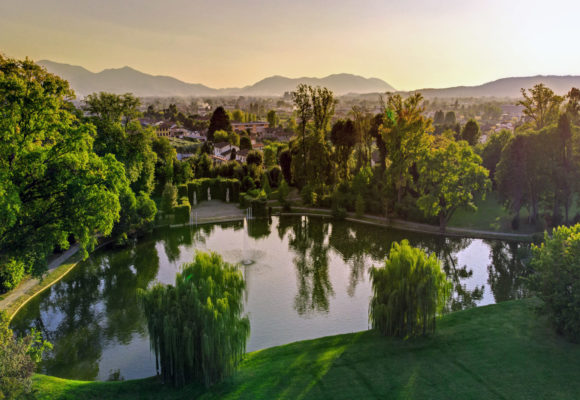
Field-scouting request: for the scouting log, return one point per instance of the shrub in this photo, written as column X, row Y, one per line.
column 407, row 293
column 309, row 195
column 556, row 265
column 169, row 197
column 196, row 327
column 182, row 190
column 11, row 273
column 275, row 175
column 248, row 184
column 283, row 191
column 18, row 359
column 265, row 184
column 183, row 210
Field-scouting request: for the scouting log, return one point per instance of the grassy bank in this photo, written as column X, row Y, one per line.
column 503, row 351
column 12, row 301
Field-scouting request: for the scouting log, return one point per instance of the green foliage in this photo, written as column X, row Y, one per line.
column 219, row 121
column 309, row 195
column 220, row 136
column 343, row 137
column 11, row 273
column 470, row 132
column 269, row 156
column 182, row 190
column 311, row 158
column 450, row 118
column 218, row 188
column 169, row 197
column 248, row 184
column 245, row 143
column 265, row 184
column 283, row 191
column 408, row 292
column 182, row 210
column 450, row 177
column 166, row 157
column 196, row 327
column 556, row 265
column 272, row 118
column 439, row 118
column 490, row 152
column 254, row 157
column 275, row 175
column 541, row 105
column 18, row 359
column 52, row 184
column 285, row 158
column 404, row 132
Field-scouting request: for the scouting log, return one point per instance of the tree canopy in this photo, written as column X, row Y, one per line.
column 220, row 120
column 53, row 186
column 450, row 177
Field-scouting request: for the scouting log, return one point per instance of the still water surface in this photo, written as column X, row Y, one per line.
column 309, row 278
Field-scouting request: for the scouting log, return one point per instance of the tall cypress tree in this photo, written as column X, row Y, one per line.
column 220, row 120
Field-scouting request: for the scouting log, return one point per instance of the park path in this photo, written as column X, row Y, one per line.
column 29, row 283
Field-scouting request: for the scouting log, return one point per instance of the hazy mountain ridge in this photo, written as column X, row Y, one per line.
column 507, row 87
column 126, row 79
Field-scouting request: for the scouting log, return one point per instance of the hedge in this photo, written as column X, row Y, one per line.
column 182, row 190
column 183, row 210
column 218, row 189
column 257, row 200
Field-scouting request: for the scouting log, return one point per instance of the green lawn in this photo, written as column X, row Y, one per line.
column 505, row 351
column 490, row 216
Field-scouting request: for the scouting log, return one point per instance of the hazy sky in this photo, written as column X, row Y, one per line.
column 410, row 44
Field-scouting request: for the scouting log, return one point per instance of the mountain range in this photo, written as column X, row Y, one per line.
column 127, row 79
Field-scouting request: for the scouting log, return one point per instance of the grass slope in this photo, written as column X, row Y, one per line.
column 504, row 351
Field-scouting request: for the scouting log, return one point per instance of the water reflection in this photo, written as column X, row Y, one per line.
column 311, row 275
column 308, row 240
column 507, row 271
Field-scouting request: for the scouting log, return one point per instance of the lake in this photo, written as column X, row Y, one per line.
column 309, row 278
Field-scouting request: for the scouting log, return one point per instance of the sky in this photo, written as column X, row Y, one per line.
column 410, row 44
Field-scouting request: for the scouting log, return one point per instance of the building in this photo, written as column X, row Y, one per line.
column 258, row 146
column 163, row 128
column 222, row 148
column 257, row 127
column 242, row 155
column 218, row 160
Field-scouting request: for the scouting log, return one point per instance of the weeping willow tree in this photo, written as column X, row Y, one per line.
column 408, row 292
column 196, row 327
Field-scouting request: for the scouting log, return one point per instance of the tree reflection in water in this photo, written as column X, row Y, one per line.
column 361, row 246
column 507, row 270
column 307, row 240
column 96, row 304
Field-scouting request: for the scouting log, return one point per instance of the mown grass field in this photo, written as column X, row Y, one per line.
column 504, row 351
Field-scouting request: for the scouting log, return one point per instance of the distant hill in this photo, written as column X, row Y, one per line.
column 339, row 83
column 126, row 79
column 507, row 87
column 123, row 80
